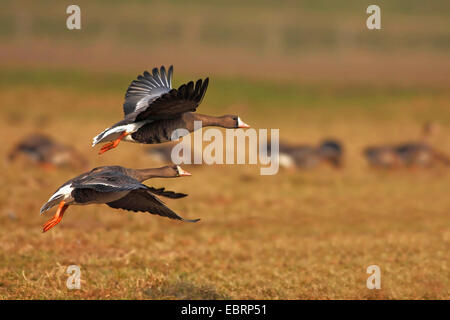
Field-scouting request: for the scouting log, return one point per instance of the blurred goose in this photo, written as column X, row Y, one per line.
column 154, row 110
column 382, row 156
column 117, row 187
column 305, row 156
column 418, row 154
column 421, row 153
column 45, row 151
column 415, row 154
column 331, row 151
column 409, row 154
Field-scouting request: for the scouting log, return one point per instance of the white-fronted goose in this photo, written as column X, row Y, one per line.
column 408, row 154
column 416, row 154
column 411, row 154
column 153, row 110
column 331, row 151
column 421, row 153
column 48, row 153
column 305, row 156
column 119, row 188
column 382, row 156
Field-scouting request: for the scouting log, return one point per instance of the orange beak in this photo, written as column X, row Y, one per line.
column 182, row 172
column 242, row 124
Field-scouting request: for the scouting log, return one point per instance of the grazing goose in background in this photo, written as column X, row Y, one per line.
column 409, row 154
column 331, row 151
column 153, row 110
column 48, row 153
column 414, row 154
column 306, row 157
column 382, row 156
column 119, row 188
column 418, row 154
column 421, row 153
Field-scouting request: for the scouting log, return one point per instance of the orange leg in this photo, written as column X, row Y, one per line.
column 113, row 144
column 57, row 217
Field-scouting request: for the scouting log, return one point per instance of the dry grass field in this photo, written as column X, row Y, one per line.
column 309, row 68
column 295, row 235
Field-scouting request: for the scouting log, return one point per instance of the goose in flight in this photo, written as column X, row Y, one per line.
column 117, row 187
column 154, row 110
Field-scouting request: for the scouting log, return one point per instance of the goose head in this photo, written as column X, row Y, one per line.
column 232, row 122
column 181, row 172
column 173, row 171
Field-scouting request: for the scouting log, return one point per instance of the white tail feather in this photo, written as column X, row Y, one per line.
column 111, row 134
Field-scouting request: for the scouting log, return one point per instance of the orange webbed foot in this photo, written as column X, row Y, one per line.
column 56, row 218
column 108, row 146
column 113, row 144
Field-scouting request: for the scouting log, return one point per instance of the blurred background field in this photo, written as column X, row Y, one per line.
column 309, row 68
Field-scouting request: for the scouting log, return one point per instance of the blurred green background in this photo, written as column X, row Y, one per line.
column 307, row 41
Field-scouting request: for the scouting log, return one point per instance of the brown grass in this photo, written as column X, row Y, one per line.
column 296, row 235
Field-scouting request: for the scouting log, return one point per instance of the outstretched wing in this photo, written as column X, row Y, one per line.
column 147, row 88
column 175, row 102
column 145, row 201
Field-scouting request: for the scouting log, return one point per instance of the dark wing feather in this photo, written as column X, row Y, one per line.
column 146, row 88
column 166, row 193
column 143, row 200
column 173, row 103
